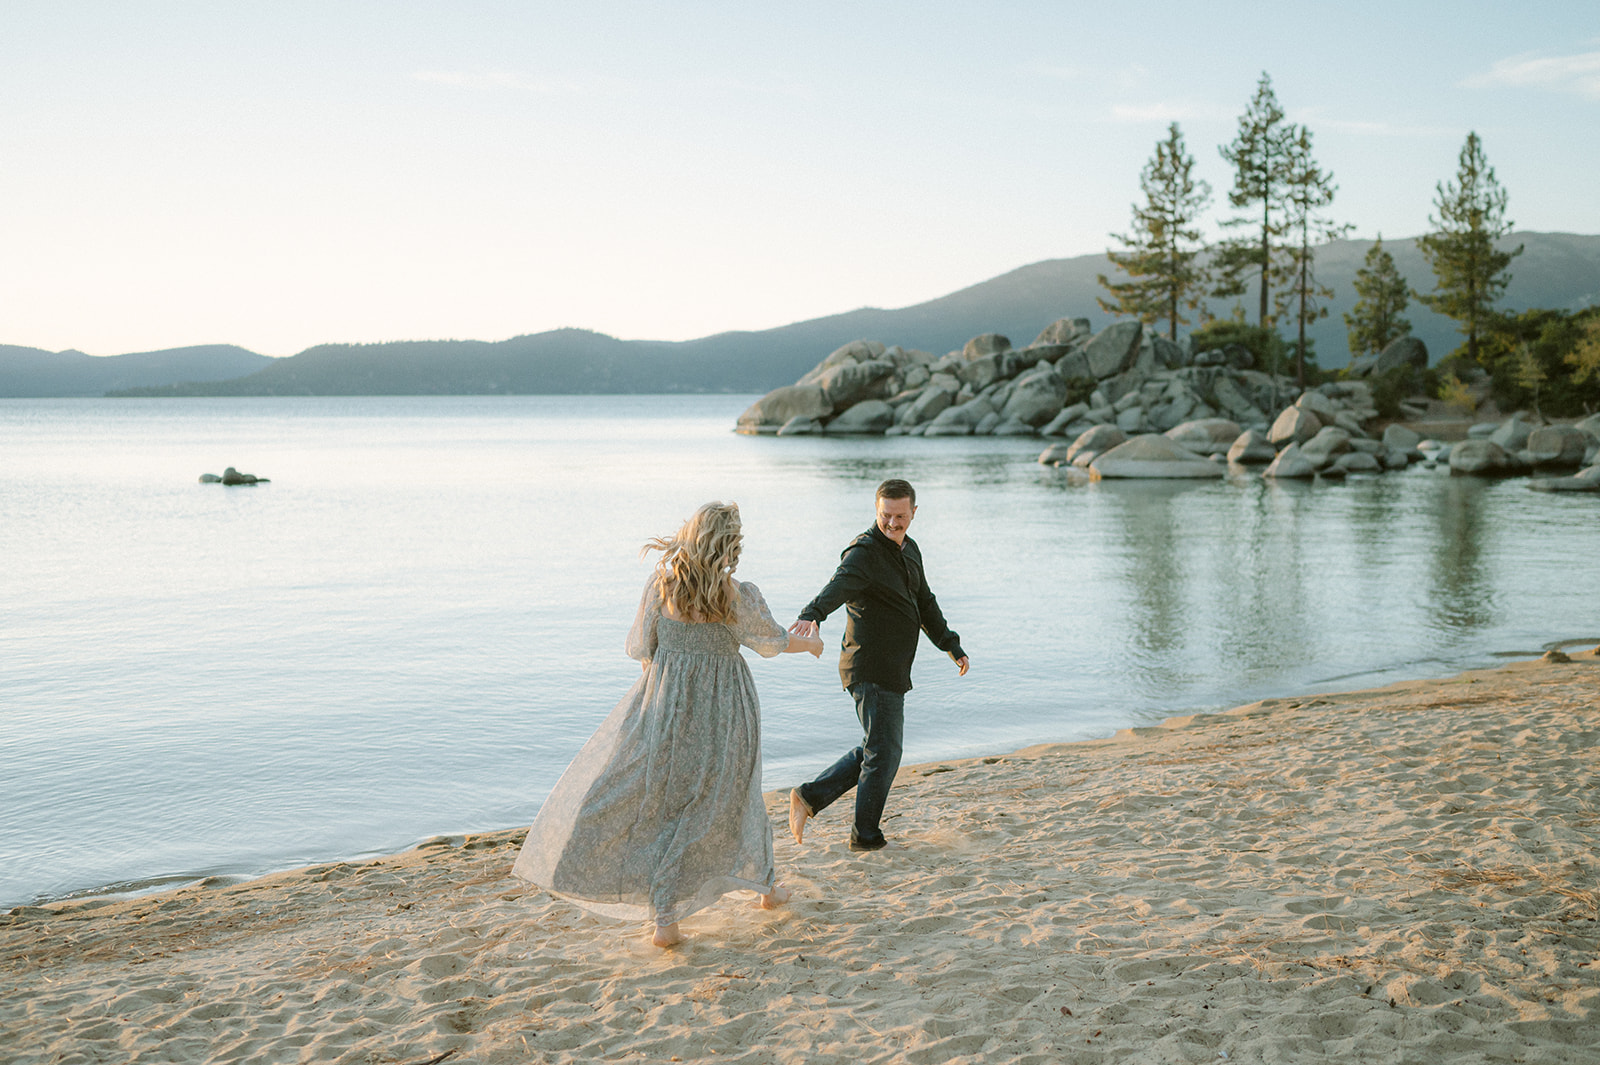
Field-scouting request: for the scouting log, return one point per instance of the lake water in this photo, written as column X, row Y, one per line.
column 415, row 625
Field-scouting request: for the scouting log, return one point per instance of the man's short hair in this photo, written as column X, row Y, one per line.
column 895, row 488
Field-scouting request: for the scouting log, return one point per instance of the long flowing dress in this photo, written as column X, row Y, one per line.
column 660, row 813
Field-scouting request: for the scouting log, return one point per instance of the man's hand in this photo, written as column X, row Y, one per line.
column 961, row 664
column 803, row 628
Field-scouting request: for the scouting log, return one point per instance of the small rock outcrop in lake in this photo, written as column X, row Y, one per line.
column 233, row 476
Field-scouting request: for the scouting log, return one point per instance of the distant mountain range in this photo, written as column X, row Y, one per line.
column 1559, row 270
column 30, row 372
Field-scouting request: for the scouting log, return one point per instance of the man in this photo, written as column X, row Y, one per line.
column 881, row 583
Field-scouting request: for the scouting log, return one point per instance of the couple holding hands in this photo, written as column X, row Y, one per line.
column 660, row 813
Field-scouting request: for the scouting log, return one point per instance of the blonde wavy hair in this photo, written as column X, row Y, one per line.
column 695, row 573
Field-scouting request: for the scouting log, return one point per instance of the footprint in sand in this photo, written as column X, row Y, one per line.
column 1322, row 905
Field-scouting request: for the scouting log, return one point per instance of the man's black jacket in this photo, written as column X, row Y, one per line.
column 887, row 599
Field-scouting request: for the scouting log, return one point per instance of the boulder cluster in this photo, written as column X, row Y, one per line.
column 1519, row 445
column 1126, row 403
column 1068, row 380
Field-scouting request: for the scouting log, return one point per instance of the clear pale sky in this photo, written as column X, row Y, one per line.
column 282, row 174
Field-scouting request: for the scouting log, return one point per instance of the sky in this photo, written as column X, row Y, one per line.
column 278, row 175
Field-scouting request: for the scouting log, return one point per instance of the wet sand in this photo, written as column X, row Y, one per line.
column 1410, row 874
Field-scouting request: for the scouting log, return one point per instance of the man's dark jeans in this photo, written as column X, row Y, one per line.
column 869, row 768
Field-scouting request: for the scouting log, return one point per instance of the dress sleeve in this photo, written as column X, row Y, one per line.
column 754, row 625
column 642, row 637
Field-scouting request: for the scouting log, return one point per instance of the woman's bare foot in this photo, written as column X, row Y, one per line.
column 774, row 898
column 798, row 813
column 667, row 935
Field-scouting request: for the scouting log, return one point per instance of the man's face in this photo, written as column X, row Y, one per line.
column 894, row 518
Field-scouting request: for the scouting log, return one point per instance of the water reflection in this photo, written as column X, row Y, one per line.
column 1462, row 596
column 1267, row 616
column 1156, row 569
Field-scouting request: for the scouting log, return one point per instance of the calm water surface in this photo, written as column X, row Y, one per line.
column 413, row 628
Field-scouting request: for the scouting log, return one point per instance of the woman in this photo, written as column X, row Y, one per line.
column 661, row 813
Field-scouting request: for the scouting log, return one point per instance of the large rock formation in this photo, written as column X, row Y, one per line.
column 1208, row 403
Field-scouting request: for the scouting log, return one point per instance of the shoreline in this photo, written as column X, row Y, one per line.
column 1407, row 873
column 127, row 890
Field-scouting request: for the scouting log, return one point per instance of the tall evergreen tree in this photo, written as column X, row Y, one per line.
column 1470, row 273
column 1381, row 297
column 1308, row 189
column 1162, row 249
column 1260, row 156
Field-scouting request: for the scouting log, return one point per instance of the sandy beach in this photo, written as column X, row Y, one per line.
column 1409, row 874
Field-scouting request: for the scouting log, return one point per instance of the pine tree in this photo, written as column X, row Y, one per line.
column 1260, row 156
column 1469, row 271
column 1382, row 294
column 1162, row 248
column 1308, row 189
column 1530, row 375
column 1585, row 355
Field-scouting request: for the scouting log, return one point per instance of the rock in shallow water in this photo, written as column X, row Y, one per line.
column 233, row 476
column 1558, row 445
column 799, row 425
column 1152, row 455
column 1478, row 456
column 1252, row 447
column 1290, row 463
column 1205, row 436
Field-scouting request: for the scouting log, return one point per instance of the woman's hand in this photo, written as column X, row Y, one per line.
column 811, row 644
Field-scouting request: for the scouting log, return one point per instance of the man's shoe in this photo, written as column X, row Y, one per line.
column 857, row 845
